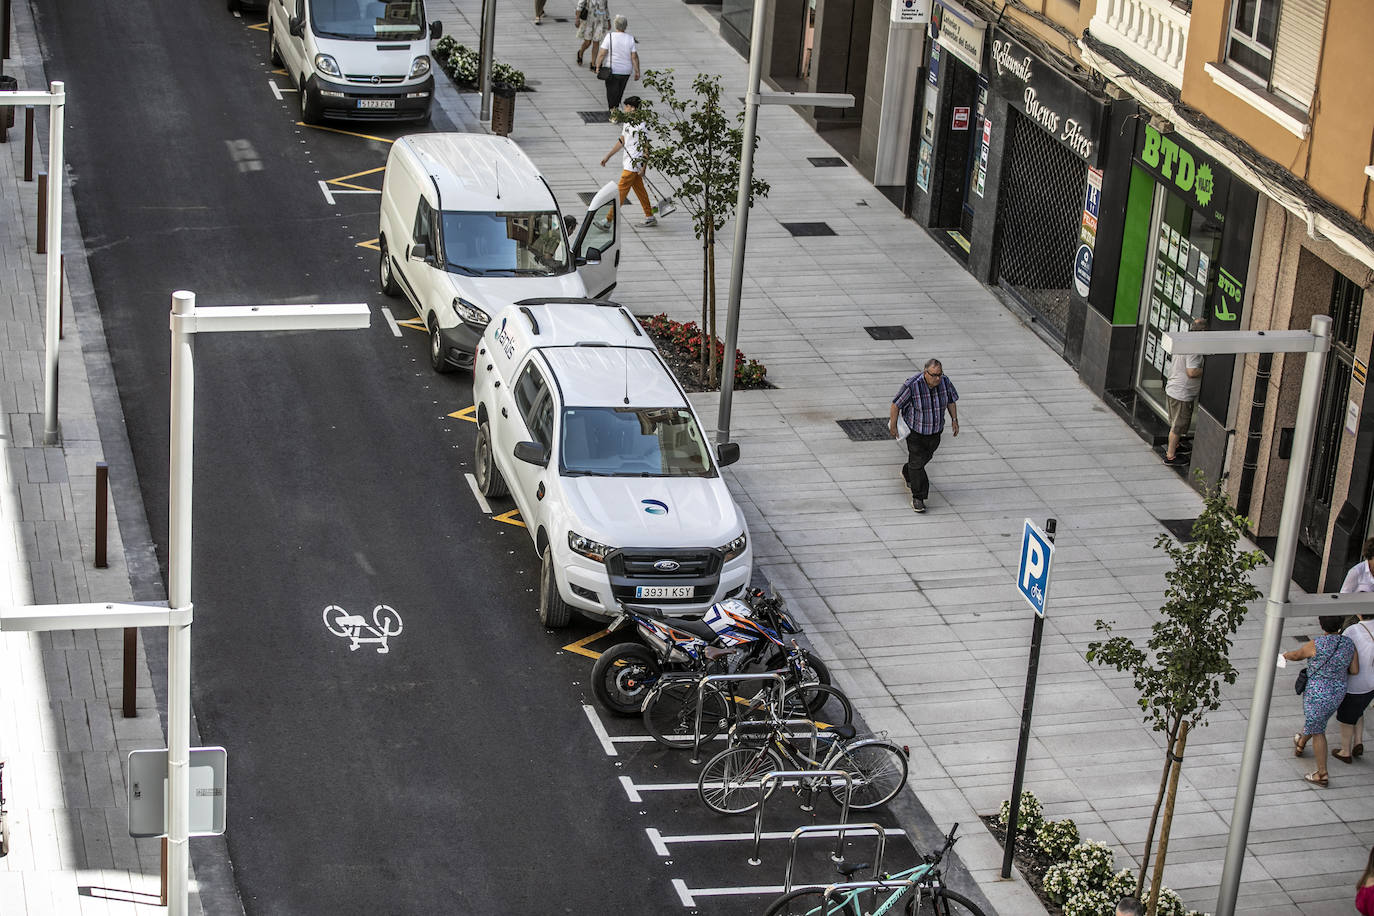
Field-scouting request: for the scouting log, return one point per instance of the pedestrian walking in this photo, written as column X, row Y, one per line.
column 539, row 12
column 593, row 19
column 633, row 164
column 922, row 403
column 1129, row 906
column 1360, row 578
column 1180, row 393
column 1359, row 691
column 1364, row 891
column 1333, row 659
column 620, row 53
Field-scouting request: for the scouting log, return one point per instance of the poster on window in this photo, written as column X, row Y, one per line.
column 923, row 168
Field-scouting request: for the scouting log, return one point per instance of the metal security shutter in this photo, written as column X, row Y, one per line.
column 1040, row 206
column 1298, row 49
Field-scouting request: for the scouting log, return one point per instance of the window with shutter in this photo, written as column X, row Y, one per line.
column 1298, row 50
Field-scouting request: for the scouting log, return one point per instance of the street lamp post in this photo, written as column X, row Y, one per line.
column 1315, row 343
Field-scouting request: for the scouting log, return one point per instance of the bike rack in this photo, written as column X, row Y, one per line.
column 777, row 775
column 774, row 676
column 873, row 828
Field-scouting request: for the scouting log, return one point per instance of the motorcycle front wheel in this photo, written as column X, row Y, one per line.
column 623, row 676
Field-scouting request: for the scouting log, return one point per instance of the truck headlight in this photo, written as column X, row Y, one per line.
column 470, row 313
column 327, row 65
column 735, row 547
column 592, row 550
column 419, row 67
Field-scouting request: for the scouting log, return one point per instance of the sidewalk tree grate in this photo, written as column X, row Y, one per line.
column 601, row 116
column 1180, row 528
column 812, row 229
column 888, row 332
column 827, row 162
column 868, row 429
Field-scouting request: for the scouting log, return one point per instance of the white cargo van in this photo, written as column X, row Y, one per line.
column 581, row 420
column 364, row 59
column 468, row 226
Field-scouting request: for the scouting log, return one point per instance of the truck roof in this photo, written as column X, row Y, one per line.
column 481, row 172
column 609, row 376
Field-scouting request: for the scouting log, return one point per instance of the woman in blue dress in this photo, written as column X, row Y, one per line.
column 1333, row 658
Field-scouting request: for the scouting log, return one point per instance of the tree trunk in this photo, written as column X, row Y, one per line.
column 705, row 303
column 1158, row 880
column 713, row 373
column 1154, row 815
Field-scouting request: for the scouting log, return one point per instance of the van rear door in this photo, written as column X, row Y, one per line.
column 598, row 242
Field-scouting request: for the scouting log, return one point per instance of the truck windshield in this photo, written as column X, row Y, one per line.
column 633, row 442
column 505, row 244
column 369, row 20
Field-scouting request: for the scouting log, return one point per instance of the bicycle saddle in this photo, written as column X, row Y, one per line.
column 843, row 732
column 850, row 870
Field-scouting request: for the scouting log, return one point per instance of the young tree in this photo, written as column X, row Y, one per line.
column 697, row 148
column 1179, row 671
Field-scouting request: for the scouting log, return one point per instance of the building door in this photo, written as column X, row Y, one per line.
column 1346, row 300
column 953, row 146
column 1040, row 205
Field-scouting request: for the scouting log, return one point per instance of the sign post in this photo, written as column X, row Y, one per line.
column 1032, row 581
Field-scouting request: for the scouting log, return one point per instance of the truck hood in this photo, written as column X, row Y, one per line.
column 654, row 511
column 492, row 294
column 365, row 59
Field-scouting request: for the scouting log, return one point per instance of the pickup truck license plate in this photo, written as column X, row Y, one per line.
column 376, row 103
column 663, row 591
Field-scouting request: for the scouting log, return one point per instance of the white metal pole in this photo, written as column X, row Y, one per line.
column 179, row 596
column 1290, row 521
column 746, row 179
column 52, row 294
column 487, row 40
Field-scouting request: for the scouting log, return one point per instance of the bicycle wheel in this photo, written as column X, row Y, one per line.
column 823, row 704
column 948, row 903
column 878, row 769
column 729, row 783
column 671, row 709
column 810, row 901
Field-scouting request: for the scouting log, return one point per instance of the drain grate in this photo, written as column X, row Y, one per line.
column 602, row 116
column 586, row 197
column 808, row 229
column 888, row 332
column 1180, row 528
column 868, row 429
column 826, row 162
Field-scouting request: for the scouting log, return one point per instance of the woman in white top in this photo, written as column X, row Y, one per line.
column 619, row 50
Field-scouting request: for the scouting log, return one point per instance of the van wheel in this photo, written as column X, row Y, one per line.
column 311, row 109
column 386, row 278
column 554, row 612
column 489, row 479
column 273, row 52
column 437, row 361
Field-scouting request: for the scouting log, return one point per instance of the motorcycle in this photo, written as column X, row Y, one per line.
column 735, row 636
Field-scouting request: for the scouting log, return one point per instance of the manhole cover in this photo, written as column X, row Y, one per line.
column 826, row 162
column 869, row 429
column 888, row 332
column 1180, row 528
column 799, row 229
column 601, row 116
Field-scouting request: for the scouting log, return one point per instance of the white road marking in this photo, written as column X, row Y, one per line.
column 324, row 189
column 661, row 842
column 277, row 90
column 592, row 717
column 386, row 623
column 688, row 895
column 396, row 331
column 486, row 507
column 632, row 788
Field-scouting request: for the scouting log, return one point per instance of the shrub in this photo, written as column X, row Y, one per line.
column 1028, row 819
column 1090, row 903
column 1056, row 838
column 689, row 339
column 462, row 64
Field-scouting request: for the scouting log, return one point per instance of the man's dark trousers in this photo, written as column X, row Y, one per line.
column 920, row 448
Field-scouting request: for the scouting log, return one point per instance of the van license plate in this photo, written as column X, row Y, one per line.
column 376, row 103
column 663, row 591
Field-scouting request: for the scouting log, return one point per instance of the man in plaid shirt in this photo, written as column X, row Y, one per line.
column 922, row 402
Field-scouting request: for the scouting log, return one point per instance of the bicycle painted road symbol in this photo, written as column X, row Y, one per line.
column 386, row 623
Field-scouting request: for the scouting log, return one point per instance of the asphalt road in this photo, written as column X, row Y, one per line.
column 457, row 772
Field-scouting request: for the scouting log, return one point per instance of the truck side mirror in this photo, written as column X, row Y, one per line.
column 727, row 453
column 436, row 30
column 592, row 256
column 532, row 453
column 296, row 26
column 419, row 252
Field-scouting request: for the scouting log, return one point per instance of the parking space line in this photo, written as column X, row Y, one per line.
column 688, row 895
column 324, row 189
column 346, row 133
column 633, row 789
column 601, row 734
column 472, row 484
column 277, row 90
column 391, row 321
column 580, row 647
column 510, row 518
column 661, row 842
column 467, row 413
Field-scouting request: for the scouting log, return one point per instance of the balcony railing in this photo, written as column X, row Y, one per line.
column 1153, row 33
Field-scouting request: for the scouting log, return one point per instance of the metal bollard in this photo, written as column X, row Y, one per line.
column 130, row 702
column 102, row 512
column 42, row 213
column 28, row 143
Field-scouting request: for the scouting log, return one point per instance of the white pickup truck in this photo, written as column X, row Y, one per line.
column 581, row 421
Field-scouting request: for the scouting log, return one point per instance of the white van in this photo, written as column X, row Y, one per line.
column 468, row 226
column 365, row 59
column 579, row 418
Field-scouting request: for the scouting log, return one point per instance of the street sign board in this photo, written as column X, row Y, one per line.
column 1033, row 576
column 148, row 792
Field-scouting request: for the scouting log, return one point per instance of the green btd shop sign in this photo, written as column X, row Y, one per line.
column 1190, row 173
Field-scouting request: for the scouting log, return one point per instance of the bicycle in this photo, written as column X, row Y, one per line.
column 917, row 890
column 731, row 781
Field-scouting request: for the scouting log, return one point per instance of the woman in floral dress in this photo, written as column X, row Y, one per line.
column 593, row 22
column 1333, row 658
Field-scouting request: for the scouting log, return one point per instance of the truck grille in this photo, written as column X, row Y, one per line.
column 635, row 566
column 368, row 78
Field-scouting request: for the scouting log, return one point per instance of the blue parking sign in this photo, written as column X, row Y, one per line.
column 1033, row 576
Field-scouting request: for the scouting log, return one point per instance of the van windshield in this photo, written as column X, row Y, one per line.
column 505, row 244
column 633, row 442
column 368, row 20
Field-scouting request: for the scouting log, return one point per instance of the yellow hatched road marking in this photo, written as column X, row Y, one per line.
column 347, row 133
column 510, row 518
column 415, row 324
column 374, row 244
column 580, row 647
column 262, row 27
column 343, row 180
column 467, row 413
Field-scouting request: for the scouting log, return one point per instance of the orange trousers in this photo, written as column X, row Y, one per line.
column 635, row 181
